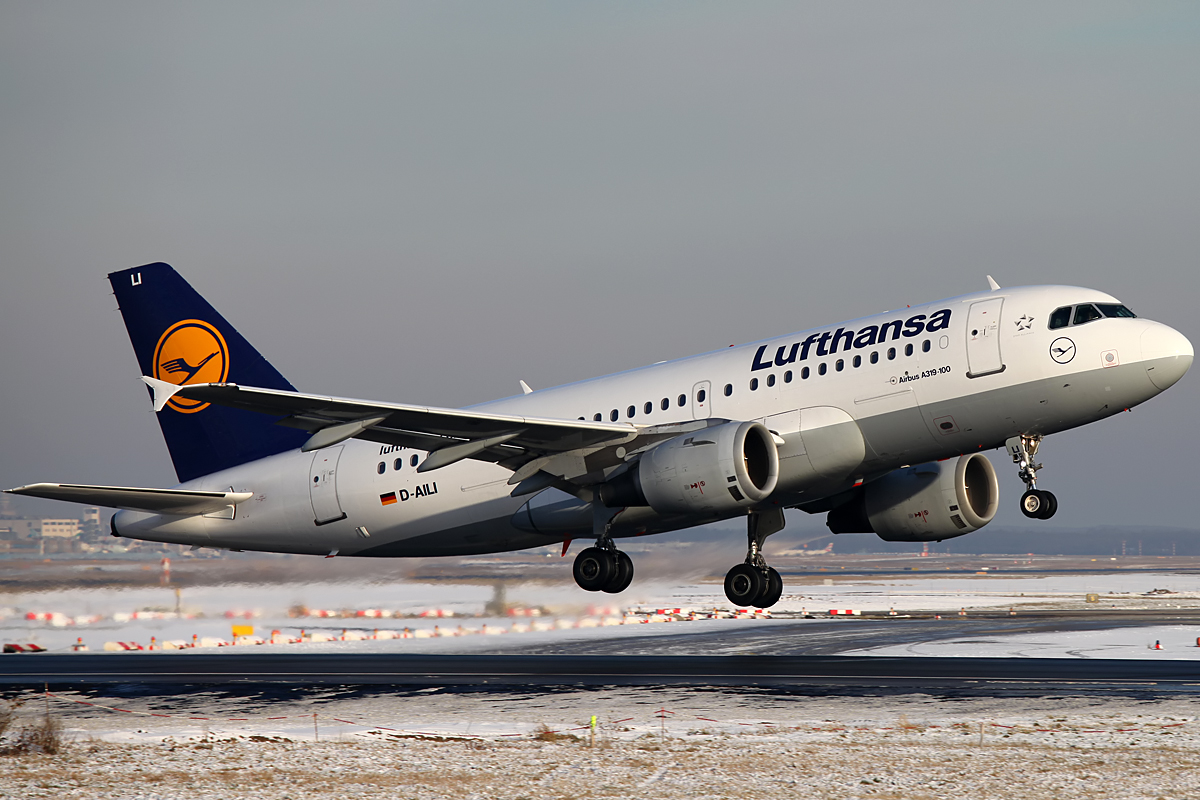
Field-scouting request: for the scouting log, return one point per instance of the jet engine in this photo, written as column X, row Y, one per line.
column 707, row 472
column 925, row 503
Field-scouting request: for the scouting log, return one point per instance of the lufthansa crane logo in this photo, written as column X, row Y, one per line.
column 1062, row 350
column 191, row 351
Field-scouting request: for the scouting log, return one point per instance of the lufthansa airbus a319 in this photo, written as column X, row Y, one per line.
column 878, row 423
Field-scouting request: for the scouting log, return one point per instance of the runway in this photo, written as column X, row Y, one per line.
column 511, row 670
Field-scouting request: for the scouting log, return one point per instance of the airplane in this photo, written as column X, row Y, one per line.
column 879, row 423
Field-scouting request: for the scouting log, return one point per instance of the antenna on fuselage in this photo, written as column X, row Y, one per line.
column 995, row 287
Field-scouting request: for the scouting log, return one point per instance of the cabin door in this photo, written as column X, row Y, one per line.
column 983, row 338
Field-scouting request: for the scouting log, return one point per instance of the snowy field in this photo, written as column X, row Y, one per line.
column 648, row 743
column 210, row 612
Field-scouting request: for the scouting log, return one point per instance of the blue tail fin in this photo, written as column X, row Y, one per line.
column 179, row 337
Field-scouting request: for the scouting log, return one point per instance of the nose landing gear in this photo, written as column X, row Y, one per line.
column 753, row 583
column 1035, row 503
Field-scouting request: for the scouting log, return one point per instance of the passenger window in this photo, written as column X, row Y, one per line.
column 398, row 463
column 822, row 368
column 874, row 357
column 1085, row 313
column 665, row 404
column 787, row 376
column 857, row 362
column 382, row 468
column 891, row 354
column 598, row 416
column 770, row 380
column 754, row 384
column 840, row 365
column 1061, row 318
column 804, row 374
column 925, row 345
column 1112, row 310
column 728, row 389
column 682, row 400
column 908, row 349
column 412, row 462
column 700, row 395
column 629, row 412
column 614, row 415
column 648, row 407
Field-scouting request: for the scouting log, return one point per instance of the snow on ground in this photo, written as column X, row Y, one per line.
column 206, row 608
column 722, row 743
column 1177, row 642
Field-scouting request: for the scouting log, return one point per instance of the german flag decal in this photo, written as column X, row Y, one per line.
column 387, row 499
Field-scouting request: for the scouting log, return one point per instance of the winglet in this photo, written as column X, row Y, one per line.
column 163, row 391
column 995, row 287
column 525, row 388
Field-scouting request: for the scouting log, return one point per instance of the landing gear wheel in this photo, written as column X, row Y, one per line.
column 594, row 569
column 1033, row 504
column 1038, row 504
column 773, row 590
column 1051, row 505
column 622, row 574
column 744, row 584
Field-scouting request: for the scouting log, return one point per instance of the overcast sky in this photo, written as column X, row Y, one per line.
column 426, row 203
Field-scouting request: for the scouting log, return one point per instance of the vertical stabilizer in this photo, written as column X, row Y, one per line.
column 179, row 338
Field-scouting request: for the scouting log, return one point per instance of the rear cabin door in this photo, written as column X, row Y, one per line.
column 322, row 485
column 983, row 338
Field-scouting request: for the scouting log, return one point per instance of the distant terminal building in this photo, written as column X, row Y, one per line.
column 60, row 528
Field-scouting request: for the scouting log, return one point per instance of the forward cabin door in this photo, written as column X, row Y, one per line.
column 983, row 338
column 322, row 485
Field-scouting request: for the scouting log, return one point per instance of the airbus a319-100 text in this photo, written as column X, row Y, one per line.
column 878, row 423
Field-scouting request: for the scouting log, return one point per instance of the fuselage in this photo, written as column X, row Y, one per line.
column 847, row 402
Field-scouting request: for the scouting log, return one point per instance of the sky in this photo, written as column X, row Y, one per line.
column 428, row 202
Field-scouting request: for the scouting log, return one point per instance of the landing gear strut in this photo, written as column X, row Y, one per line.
column 602, row 567
column 753, row 583
column 1035, row 503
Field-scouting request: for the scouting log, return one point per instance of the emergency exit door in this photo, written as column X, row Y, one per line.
column 983, row 338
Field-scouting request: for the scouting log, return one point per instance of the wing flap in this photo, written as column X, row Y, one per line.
column 155, row 501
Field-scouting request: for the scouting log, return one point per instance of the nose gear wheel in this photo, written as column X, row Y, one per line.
column 1035, row 503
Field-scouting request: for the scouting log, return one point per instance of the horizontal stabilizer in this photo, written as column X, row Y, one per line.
column 154, row 501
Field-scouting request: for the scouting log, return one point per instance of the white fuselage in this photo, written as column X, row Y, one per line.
column 985, row 372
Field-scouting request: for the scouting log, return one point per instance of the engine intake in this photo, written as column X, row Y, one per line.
column 925, row 503
column 713, row 471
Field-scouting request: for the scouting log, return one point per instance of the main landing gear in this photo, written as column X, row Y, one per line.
column 753, row 583
column 1035, row 503
column 602, row 567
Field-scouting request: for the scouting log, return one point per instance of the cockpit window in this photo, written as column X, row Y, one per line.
column 1085, row 313
column 1061, row 317
column 1115, row 310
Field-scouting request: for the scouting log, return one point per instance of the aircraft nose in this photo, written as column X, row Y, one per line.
column 1167, row 354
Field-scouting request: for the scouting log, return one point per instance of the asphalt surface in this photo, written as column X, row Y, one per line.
column 507, row 670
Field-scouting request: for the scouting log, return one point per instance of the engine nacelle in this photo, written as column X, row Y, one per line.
column 925, row 503
column 708, row 472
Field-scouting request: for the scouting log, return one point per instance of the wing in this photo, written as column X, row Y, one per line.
column 154, row 501
column 578, row 452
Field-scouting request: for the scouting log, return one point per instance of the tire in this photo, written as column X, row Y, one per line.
column 622, row 574
column 593, row 569
column 1051, row 505
column 744, row 584
column 773, row 590
column 1033, row 504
